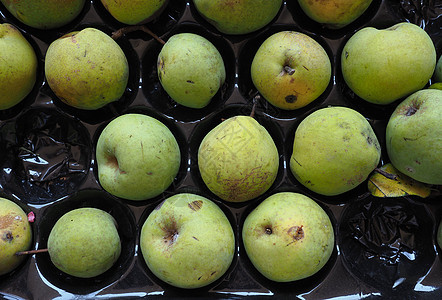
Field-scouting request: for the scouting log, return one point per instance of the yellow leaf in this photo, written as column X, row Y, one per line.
column 387, row 181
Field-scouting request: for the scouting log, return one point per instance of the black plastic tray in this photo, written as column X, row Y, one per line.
column 385, row 247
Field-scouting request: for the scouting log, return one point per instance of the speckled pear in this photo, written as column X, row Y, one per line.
column 334, row 150
column 238, row 159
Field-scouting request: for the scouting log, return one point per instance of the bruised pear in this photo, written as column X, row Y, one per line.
column 190, row 69
column 334, row 150
column 238, row 159
column 15, row 235
column 288, row 237
column 413, row 136
column 84, row 242
column 86, row 69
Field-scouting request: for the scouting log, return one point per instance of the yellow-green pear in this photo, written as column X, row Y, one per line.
column 190, row 69
column 288, row 237
column 134, row 11
column 238, row 159
column 187, row 241
column 290, row 70
column 15, row 235
column 414, row 136
column 384, row 65
column 84, row 242
column 438, row 70
column 18, row 66
column 86, row 69
column 44, row 14
column 240, row 16
column 334, row 14
column 334, row 150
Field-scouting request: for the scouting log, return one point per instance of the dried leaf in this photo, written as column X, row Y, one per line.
column 387, row 181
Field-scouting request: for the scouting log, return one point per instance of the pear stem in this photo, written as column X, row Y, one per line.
column 124, row 30
column 31, row 252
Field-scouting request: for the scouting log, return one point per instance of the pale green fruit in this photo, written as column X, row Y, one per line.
column 382, row 66
column 137, row 156
column 438, row 70
column 439, row 235
column 44, row 14
column 134, row 11
column 84, row 242
column 190, row 69
column 288, row 237
column 15, row 235
column 334, row 150
column 18, row 66
column 240, row 16
column 290, row 70
column 414, row 136
column 238, row 159
column 334, row 14
column 86, row 69
column 187, row 241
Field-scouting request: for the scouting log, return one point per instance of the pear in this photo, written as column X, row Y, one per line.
column 238, row 159
column 240, row 16
column 438, row 70
column 334, row 14
column 18, row 66
column 439, row 235
column 384, row 65
column 15, row 235
column 190, row 69
column 413, row 136
column 137, row 157
column 44, row 14
column 135, row 11
column 334, row 150
column 187, row 241
column 84, row 242
column 288, row 237
column 94, row 71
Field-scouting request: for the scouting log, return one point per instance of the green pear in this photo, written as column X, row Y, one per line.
column 288, row 237
column 290, row 70
column 334, row 150
column 94, row 69
column 137, row 157
column 44, row 14
column 15, row 235
column 190, row 69
column 135, row 11
column 438, row 70
column 413, row 136
column 187, row 241
column 238, row 159
column 18, row 66
column 334, row 14
column 84, row 242
column 382, row 66
column 240, row 16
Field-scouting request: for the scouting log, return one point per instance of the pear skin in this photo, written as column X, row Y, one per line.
column 15, row 235
column 238, row 159
column 47, row 14
column 84, row 242
column 94, row 71
column 18, row 66
column 334, row 150
column 239, row 16
column 135, row 11
column 334, row 14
